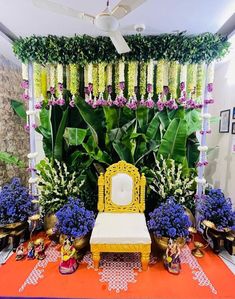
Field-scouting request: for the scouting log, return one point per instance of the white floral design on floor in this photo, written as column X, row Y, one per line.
column 198, row 274
column 52, row 255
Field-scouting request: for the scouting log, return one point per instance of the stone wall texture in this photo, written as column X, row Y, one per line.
column 13, row 138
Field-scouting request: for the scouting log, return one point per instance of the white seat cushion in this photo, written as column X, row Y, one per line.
column 120, row 228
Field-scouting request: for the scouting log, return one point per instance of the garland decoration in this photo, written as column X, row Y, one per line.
column 37, row 85
column 25, row 82
column 204, row 47
column 109, row 71
column 142, row 83
column 101, row 84
column 173, row 70
column 191, row 80
column 120, row 100
column 132, row 85
column 95, row 84
column 44, row 83
column 60, row 101
column 159, row 76
column 150, row 103
column 52, row 100
column 200, row 80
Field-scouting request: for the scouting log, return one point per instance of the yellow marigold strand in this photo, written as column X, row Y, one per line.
column 172, row 77
column 159, row 77
column 37, row 80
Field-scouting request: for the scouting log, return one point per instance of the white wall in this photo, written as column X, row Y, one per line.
column 221, row 169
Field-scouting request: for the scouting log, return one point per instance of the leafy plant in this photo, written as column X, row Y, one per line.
column 15, row 203
column 169, row 220
column 74, row 219
column 216, row 208
column 56, row 185
column 11, row 159
column 85, row 49
column 171, row 179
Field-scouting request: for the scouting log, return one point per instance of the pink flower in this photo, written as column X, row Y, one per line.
column 120, row 101
column 34, row 126
column 26, row 128
column 149, row 88
column 182, row 86
column 160, row 105
column 122, row 85
column 25, row 97
column 89, row 101
column 60, row 87
column 149, row 103
column 132, row 104
column 60, row 102
column 24, row 84
column 109, row 89
column 89, row 88
column 142, row 102
column 52, row 90
column 210, row 87
column 208, row 101
column 38, row 105
column 52, row 102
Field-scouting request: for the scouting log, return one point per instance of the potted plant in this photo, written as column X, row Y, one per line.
column 169, row 221
column 56, row 185
column 15, row 208
column 74, row 220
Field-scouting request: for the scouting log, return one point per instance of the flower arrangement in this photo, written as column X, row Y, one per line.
column 56, row 184
column 15, row 203
column 74, row 219
column 169, row 179
column 216, row 208
column 169, row 220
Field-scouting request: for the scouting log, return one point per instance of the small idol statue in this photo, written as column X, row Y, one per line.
column 172, row 257
column 39, row 249
column 20, row 254
column 31, row 251
column 68, row 262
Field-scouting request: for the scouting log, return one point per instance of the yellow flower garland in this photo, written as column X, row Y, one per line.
column 73, row 83
column 44, row 82
column 60, row 73
column 116, row 78
column 95, row 80
column 200, row 79
column 159, row 76
column 165, row 73
column 172, row 77
column 109, row 74
column 37, row 81
column 52, row 75
column 191, row 78
column 101, row 77
column 68, row 77
column 131, row 78
column 142, row 84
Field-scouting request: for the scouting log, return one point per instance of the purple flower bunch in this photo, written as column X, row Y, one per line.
column 15, row 203
column 120, row 101
column 74, row 219
column 216, row 208
column 169, row 220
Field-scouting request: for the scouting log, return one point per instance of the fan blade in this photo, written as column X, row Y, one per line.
column 119, row 42
column 124, row 7
column 63, row 10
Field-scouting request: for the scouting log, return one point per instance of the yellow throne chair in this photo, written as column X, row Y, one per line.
column 120, row 225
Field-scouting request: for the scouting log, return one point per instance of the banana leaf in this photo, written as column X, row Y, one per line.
column 74, row 136
column 58, row 148
column 19, row 109
column 11, row 159
column 164, row 119
column 142, row 115
column 193, row 121
column 173, row 144
column 153, row 128
column 192, row 150
column 124, row 150
column 111, row 118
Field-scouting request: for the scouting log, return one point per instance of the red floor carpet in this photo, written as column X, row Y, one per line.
column 119, row 278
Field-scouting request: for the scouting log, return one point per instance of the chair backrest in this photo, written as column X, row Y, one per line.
column 121, row 189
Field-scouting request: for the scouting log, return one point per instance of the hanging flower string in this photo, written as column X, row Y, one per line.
column 132, row 82
column 101, row 84
column 25, row 83
column 150, row 103
column 120, row 100
column 73, row 82
column 109, row 84
column 88, row 74
column 142, row 83
column 60, row 101
column 52, row 100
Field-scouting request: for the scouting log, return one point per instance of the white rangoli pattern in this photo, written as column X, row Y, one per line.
column 52, row 255
column 118, row 269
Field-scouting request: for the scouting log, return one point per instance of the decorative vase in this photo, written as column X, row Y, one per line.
column 190, row 216
column 162, row 242
column 50, row 221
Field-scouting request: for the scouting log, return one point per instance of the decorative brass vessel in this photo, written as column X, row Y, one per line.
column 162, row 242
column 197, row 251
column 50, row 221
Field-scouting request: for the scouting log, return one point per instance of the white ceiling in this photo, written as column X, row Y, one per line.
column 159, row 16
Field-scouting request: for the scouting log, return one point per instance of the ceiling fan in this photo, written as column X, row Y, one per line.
column 106, row 21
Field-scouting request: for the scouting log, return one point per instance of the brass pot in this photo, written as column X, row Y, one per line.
column 78, row 243
column 162, row 242
column 50, row 221
column 190, row 216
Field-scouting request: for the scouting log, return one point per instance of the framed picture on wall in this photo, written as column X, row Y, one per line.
column 233, row 128
column 224, row 121
column 233, row 112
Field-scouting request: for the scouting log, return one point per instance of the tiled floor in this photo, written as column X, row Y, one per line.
column 228, row 259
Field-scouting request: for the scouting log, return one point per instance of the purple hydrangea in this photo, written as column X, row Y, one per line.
column 15, row 203
column 216, row 208
column 74, row 219
column 169, row 220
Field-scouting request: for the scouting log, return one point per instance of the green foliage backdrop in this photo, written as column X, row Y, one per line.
column 85, row 49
